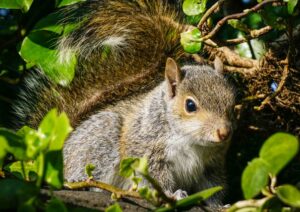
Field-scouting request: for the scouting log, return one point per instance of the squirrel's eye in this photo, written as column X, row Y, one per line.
column 190, row 106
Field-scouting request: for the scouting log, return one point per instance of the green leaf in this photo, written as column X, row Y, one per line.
column 89, row 168
column 126, row 166
column 141, row 166
column 191, row 41
column 255, row 177
column 14, row 193
column 24, row 5
column 3, row 147
column 197, row 197
column 55, row 129
column 291, row 6
column 194, row 7
column 193, row 20
column 13, row 144
column 56, row 205
column 35, row 143
column 114, row 208
column 16, row 168
column 24, row 131
column 146, row 193
column 278, row 150
column 61, row 3
column 39, row 48
column 54, row 169
column 289, row 194
column 3, row 150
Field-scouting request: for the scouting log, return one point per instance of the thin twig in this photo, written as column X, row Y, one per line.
column 211, row 10
column 92, row 183
column 280, row 87
column 236, row 16
column 284, row 73
column 252, row 98
column 273, row 184
column 253, row 34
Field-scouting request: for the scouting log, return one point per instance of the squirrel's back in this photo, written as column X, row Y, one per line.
column 120, row 46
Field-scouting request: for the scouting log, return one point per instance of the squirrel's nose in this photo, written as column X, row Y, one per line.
column 223, row 133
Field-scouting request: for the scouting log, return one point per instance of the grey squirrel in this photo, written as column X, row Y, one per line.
column 183, row 125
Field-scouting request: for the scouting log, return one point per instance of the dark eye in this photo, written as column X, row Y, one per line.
column 190, row 106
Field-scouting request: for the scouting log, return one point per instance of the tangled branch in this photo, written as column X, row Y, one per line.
column 233, row 16
column 252, row 35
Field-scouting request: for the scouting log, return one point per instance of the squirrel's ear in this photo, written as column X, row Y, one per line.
column 173, row 76
column 218, row 65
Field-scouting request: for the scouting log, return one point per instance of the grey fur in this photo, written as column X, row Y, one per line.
column 151, row 127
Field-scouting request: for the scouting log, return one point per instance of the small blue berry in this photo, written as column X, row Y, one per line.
column 273, row 86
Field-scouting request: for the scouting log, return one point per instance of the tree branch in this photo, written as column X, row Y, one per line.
column 236, row 16
column 211, row 10
column 285, row 70
column 92, row 183
column 253, row 34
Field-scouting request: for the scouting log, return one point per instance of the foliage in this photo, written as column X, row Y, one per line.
column 30, row 30
column 278, row 17
column 274, row 155
column 37, row 159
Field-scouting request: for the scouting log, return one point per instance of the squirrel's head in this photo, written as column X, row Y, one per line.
column 200, row 102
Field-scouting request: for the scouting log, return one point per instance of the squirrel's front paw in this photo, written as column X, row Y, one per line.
column 179, row 194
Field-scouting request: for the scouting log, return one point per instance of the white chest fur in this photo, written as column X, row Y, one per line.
column 187, row 158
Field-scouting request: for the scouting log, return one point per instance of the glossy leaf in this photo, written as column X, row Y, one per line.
column 39, row 48
column 254, row 178
column 24, row 5
column 194, row 7
column 16, row 168
column 3, row 150
column 114, row 208
column 146, row 193
column 278, row 150
column 142, row 166
column 289, row 194
column 291, row 6
column 193, row 20
column 61, row 3
column 190, row 41
column 126, row 167
column 55, row 128
column 54, row 169
column 14, row 144
column 35, row 143
column 198, row 197
column 89, row 168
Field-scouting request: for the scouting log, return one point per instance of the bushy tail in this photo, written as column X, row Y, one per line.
column 121, row 48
